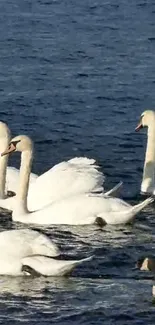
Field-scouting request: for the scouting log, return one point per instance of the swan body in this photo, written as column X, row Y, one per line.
column 18, row 244
column 26, row 251
column 81, row 209
column 75, row 176
column 148, row 181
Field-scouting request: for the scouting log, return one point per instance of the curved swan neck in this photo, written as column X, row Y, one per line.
column 25, row 170
column 148, row 182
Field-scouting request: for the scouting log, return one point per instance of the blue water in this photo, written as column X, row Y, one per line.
column 75, row 76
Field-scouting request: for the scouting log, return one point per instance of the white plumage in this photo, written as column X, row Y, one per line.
column 50, row 267
column 17, row 244
column 26, row 251
column 75, row 176
column 80, row 209
column 148, row 180
column 12, row 179
column 72, row 177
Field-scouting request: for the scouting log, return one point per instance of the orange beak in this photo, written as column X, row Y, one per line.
column 11, row 148
column 138, row 127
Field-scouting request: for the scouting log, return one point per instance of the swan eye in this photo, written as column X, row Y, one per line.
column 14, row 143
column 141, row 119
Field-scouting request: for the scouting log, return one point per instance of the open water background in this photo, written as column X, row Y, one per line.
column 75, row 76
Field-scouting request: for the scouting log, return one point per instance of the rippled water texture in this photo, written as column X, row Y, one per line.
column 75, row 76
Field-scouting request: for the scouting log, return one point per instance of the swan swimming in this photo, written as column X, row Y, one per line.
column 77, row 175
column 26, row 251
column 147, row 119
column 81, row 209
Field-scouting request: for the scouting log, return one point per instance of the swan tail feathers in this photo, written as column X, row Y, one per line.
column 122, row 217
column 140, row 206
column 45, row 266
column 114, row 191
column 86, row 259
column 130, row 214
column 71, row 265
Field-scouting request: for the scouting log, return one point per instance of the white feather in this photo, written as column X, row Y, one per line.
column 51, row 267
column 68, row 178
column 80, row 209
column 17, row 244
column 75, row 176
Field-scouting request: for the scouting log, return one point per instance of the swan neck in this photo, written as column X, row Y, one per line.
column 148, row 182
column 3, row 168
column 25, row 170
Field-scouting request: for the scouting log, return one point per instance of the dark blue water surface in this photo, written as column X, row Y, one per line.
column 75, row 76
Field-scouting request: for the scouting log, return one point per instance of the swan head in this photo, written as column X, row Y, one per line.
column 19, row 143
column 146, row 264
column 146, row 119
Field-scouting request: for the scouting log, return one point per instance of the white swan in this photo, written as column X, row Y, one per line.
column 9, row 176
column 78, row 175
column 26, row 251
column 148, row 181
column 18, row 244
column 76, row 210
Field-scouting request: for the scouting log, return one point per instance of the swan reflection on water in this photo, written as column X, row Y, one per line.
column 31, row 286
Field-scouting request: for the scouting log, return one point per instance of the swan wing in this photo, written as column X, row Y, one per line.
column 17, row 244
column 24, row 242
column 78, row 175
column 12, row 178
